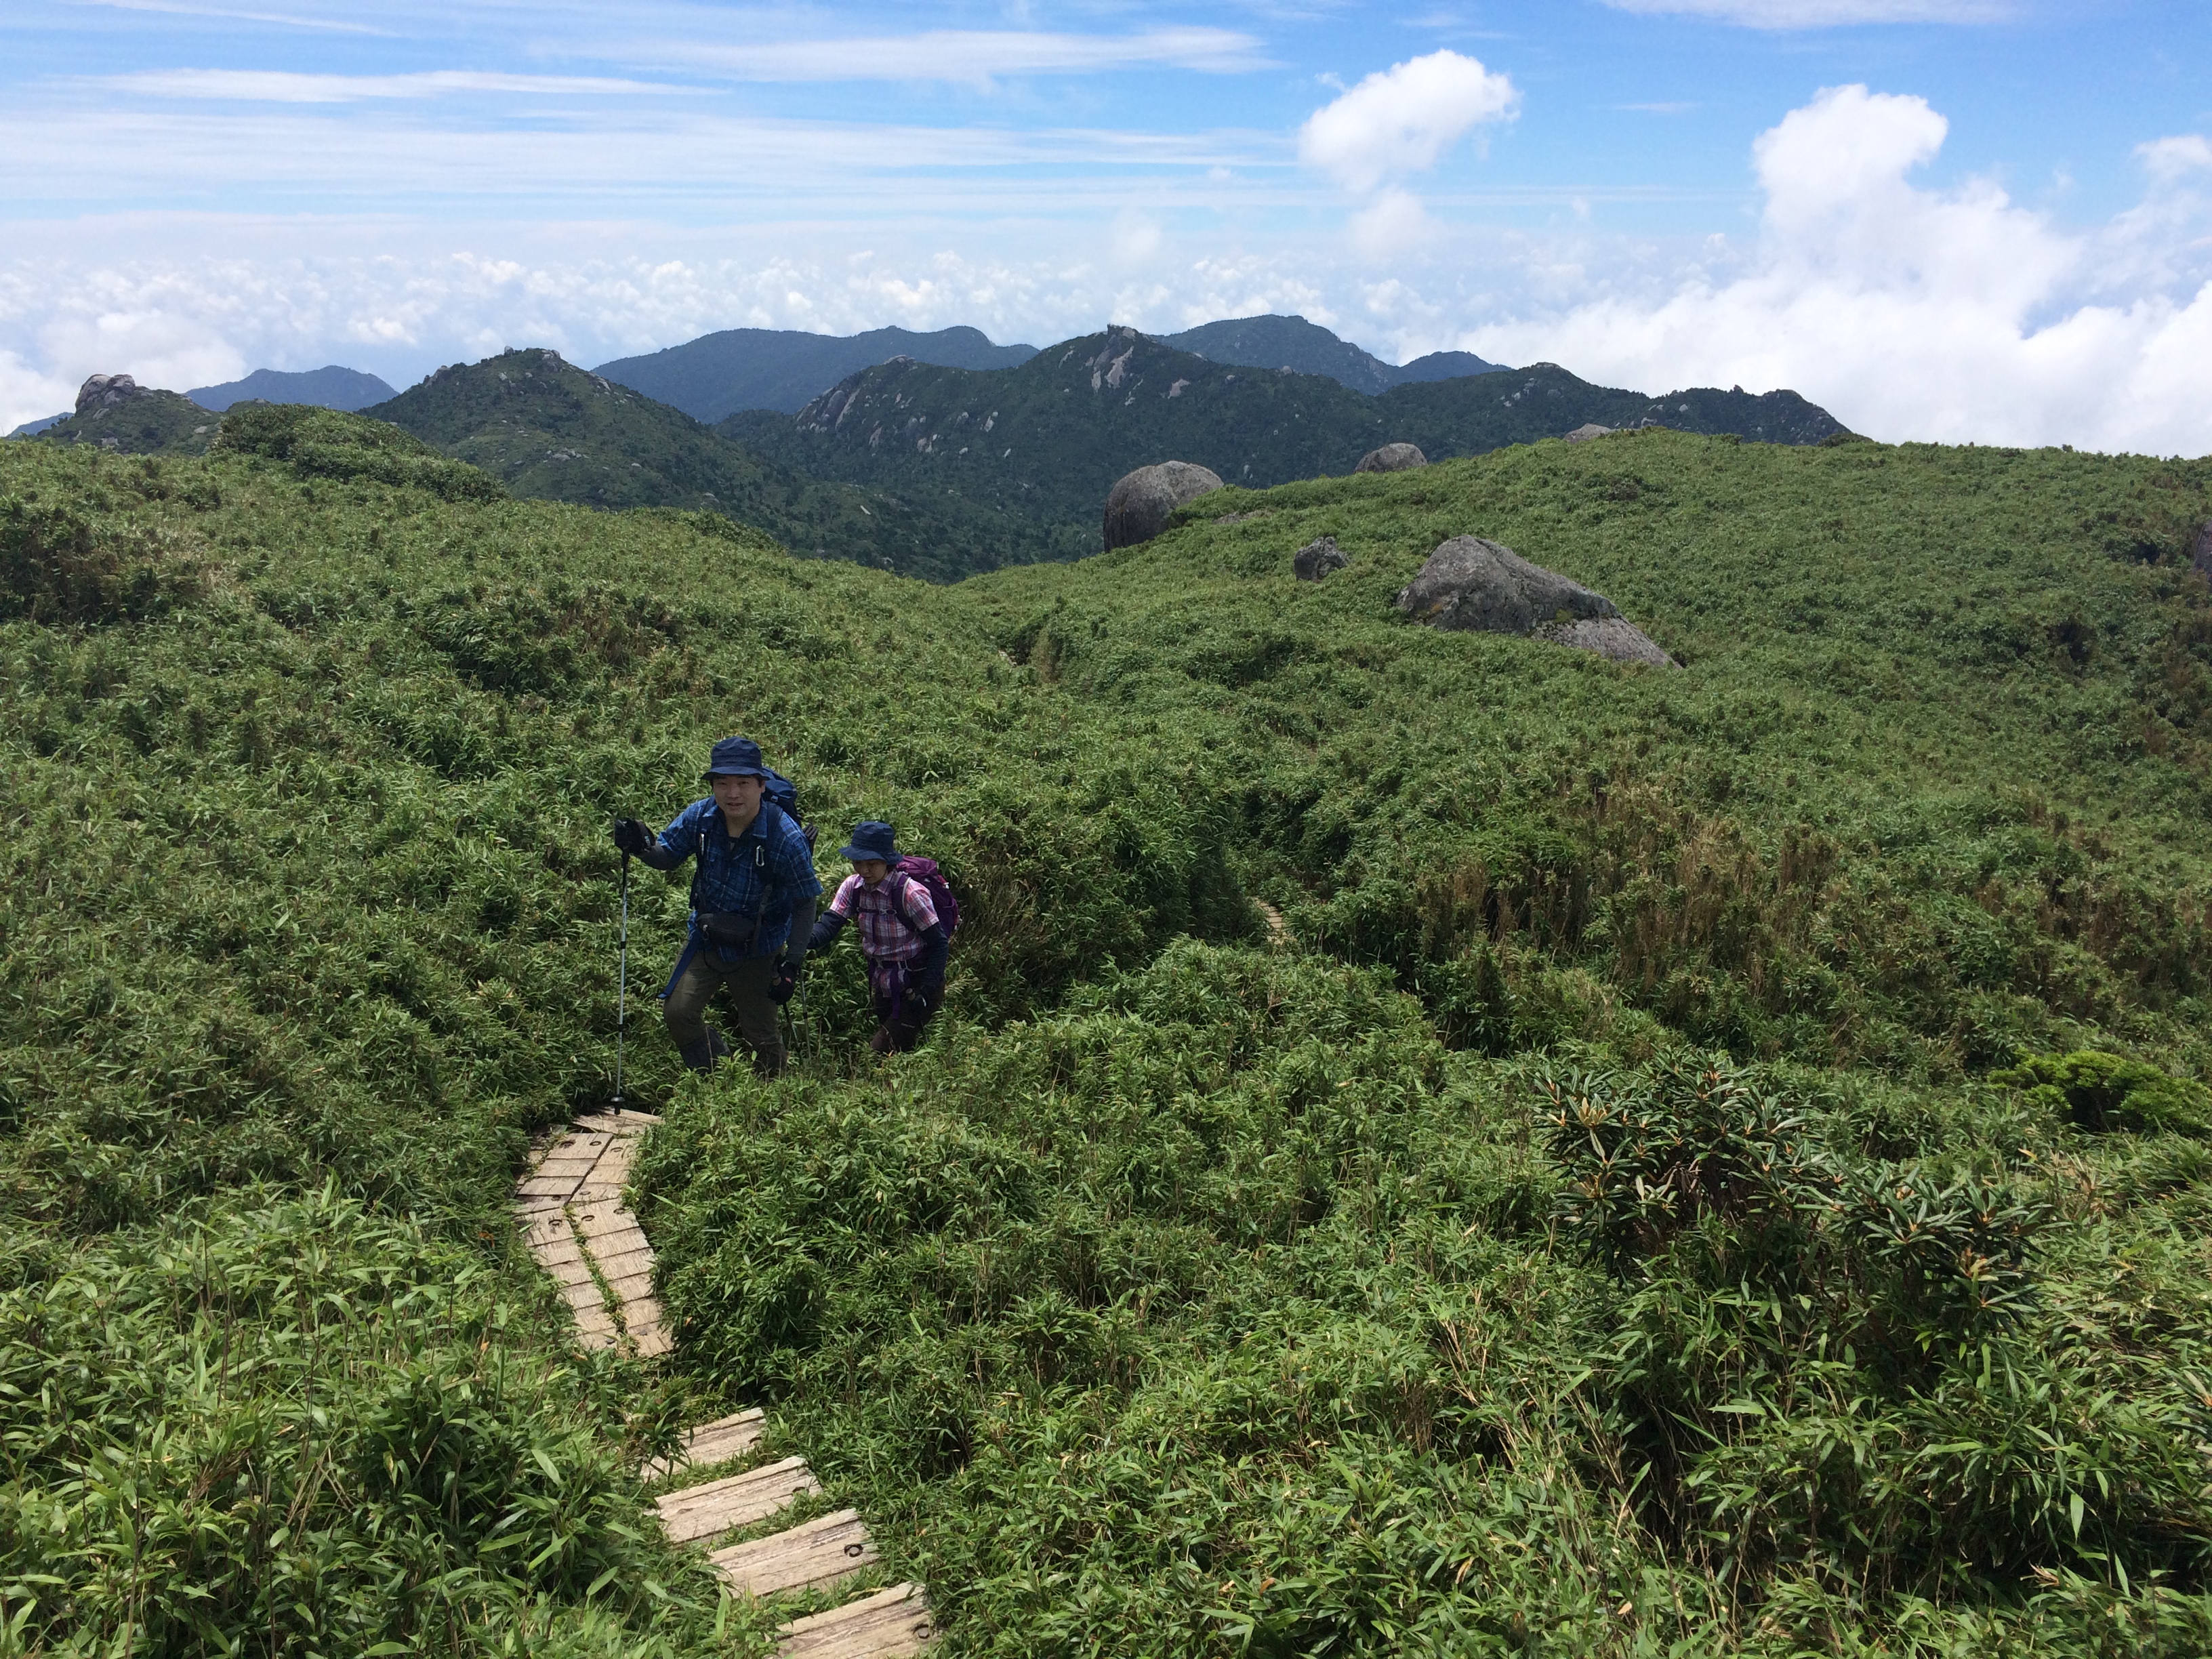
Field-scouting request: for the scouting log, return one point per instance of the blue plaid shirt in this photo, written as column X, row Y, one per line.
column 762, row 872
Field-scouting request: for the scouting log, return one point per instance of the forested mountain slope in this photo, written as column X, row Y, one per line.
column 550, row 430
column 1042, row 444
column 1717, row 1164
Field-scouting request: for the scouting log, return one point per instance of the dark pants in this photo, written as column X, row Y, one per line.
column 747, row 982
column 898, row 1024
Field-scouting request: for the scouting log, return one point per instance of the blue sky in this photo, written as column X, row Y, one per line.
column 2005, row 200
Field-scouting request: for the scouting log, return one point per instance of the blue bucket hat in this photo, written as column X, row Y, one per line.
column 871, row 840
column 736, row 757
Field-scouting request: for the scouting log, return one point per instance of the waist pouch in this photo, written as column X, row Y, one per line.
column 730, row 929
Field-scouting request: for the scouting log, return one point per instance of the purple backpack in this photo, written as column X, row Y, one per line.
column 925, row 872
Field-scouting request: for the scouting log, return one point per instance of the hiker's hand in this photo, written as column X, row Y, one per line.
column 780, row 987
column 930, row 994
column 633, row 835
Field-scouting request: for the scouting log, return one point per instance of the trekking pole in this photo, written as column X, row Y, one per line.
column 622, row 981
column 790, row 1022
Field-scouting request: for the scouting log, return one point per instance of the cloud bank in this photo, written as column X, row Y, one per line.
column 1910, row 313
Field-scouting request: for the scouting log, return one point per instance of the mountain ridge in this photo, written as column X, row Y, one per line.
column 1272, row 340
column 735, row 369
column 1095, row 408
column 330, row 387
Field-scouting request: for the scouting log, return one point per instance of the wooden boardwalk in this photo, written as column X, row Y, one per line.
column 570, row 1207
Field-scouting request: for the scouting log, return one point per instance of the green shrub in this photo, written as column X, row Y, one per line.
column 57, row 567
column 2101, row 1092
column 311, row 1429
column 326, row 443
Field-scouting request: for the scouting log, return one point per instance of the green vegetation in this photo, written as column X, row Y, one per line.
column 551, row 431
column 1719, row 1165
column 1042, row 444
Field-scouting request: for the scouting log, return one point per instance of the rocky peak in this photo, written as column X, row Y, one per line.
column 104, row 391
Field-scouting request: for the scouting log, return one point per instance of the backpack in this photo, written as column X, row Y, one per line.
column 925, row 870
column 785, row 793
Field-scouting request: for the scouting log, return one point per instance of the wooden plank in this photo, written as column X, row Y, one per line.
column 713, row 1443
column 889, row 1625
column 651, row 1341
column 726, row 1437
column 585, row 1302
column 611, row 1232
column 737, row 1501
column 542, row 1187
column 621, row 1264
column 566, row 1273
column 562, row 1162
column 631, row 1288
column 602, row 1218
column 812, row 1555
column 621, row 1242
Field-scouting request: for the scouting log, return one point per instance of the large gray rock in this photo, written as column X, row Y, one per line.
column 1391, row 458
column 1485, row 587
column 1317, row 558
column 1139, row 506
column 1582, row 435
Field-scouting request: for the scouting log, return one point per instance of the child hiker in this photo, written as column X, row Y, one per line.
column 906, row 915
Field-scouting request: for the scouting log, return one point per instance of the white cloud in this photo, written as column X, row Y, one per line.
column 1918, row 314
column 30, row 394
column 1392, row 227
column 1402, row 119
column 968, row 56
column 281, row 87
column 2172, row 158
column 1825, row 14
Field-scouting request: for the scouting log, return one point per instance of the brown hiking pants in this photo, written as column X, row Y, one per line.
column 747, row 982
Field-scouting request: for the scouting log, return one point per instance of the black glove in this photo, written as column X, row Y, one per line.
column 633, row 835
column 927, row 995
column 784, row 982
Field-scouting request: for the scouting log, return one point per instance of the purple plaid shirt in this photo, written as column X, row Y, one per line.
column 890, row 931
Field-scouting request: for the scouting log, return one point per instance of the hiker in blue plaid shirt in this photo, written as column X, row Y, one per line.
column 753, row 900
